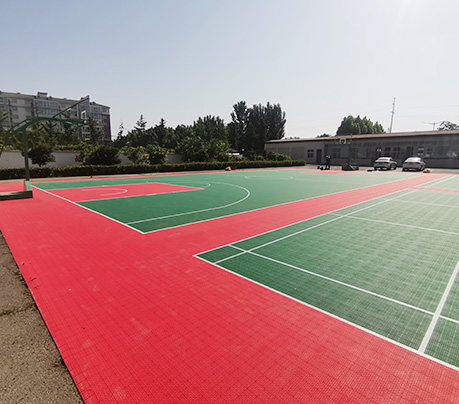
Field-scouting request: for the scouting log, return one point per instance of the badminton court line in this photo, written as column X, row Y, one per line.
column 436, row 316
column 309, row 228
column 410, row 226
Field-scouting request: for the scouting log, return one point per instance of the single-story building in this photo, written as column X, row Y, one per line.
column 439, row 149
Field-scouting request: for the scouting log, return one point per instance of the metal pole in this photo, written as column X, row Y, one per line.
column 392, row 117
column 25, row 147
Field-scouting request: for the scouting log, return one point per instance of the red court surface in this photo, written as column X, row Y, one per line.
column 118, row 191
column 12, row 186
column 138, row 319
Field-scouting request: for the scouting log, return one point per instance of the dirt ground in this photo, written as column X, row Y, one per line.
column 31, row 368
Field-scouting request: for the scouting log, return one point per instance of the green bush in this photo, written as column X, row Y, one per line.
column 277, row 156
column 91, row 170
column 102, row 155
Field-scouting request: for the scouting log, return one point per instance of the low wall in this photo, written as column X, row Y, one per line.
column 14, row 159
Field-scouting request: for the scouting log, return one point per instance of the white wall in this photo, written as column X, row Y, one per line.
column 14, row 159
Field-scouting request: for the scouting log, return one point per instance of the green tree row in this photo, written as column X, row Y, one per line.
column 207, row 139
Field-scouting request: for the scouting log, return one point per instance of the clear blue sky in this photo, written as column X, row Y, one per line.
column 320, row 60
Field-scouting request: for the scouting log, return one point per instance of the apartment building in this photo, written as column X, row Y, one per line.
column 17, row 107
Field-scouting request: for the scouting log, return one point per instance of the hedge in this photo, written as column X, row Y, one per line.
column 89, row 170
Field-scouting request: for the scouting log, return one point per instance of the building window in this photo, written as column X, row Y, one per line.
column 420, row 151
column 336, row 153
column 310, row 153
column 387, row 151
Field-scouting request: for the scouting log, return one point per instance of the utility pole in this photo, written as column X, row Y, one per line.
column 392, row 116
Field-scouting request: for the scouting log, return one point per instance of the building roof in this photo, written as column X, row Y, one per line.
column 372, row 136
column 45, row 96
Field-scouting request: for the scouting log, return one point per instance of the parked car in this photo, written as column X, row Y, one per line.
column 385, row 162
column 413, row 163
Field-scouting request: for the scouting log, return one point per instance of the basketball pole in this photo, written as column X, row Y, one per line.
column 22, row 127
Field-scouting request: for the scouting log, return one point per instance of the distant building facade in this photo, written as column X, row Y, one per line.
column 438, row 149
column 17, row 107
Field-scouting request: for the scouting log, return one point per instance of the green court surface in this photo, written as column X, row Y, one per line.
column 388, row 265
column 220, row 194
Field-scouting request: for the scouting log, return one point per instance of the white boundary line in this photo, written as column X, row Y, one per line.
column 398, row 224
column 137, row 196
column 366, row 291
column 198, row 211
column 90, row 210
column 315, row 217
column 286, row 203
column 335, row 317
column 234, row 214
column 436, row 316
column 437, row 181
column 429, row 204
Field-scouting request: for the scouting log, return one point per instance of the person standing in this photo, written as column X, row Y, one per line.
column 327, row 162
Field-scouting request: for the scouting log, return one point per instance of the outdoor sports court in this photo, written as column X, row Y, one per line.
column 286, row 285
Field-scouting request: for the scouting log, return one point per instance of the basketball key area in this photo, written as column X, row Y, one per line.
column 248, row 286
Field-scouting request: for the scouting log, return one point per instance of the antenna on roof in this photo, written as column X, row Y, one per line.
column 392, row 116
column 432, row 123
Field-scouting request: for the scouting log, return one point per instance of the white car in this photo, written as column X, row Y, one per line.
column 413, row 163
column 385, row 162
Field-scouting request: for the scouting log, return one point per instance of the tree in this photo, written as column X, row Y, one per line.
column 210, row 127
column 358, row 126
column 252, row 127
column 156, row 154
column 447, row 125
column 41, row 155
column 101, row 155
column 323, row 135
column 3, row 133
column 257, row 129
column 237, row 128
column 192, row 148
column 141, row 124
column 275, row 121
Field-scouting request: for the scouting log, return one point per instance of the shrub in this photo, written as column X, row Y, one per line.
column 103, row 155
column 91, row 170
column 277, row 156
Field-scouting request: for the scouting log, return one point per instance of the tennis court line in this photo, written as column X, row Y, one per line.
column 223, row 216
column 383, row 337
column 309, row 228
column 440, row 205
column 433, row 324
column 282, row 204
column 398, row 224
column 437, row 189
column 226, row 206
column 369, row 292
column 437, row 181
